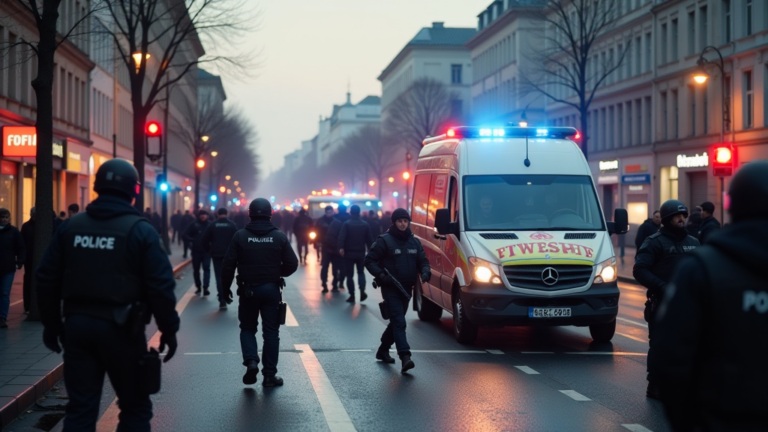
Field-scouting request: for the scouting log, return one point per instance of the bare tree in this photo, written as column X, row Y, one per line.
column 367, row 150
column 421, row 111
column 568, row 70
column 171, row 32
column 235, row 140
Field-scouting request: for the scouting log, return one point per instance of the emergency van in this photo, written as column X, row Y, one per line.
column 514, row 232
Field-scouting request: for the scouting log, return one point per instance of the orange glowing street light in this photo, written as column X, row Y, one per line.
column 200, row 164
column 222, row 189
column 371, row 183
column 228, row 177
column 391, row 179
column 406, row 175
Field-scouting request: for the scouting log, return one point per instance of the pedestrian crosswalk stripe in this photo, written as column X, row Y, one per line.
column 527, row 370
column 575, row 395
column 636, row 428
column 335, row 414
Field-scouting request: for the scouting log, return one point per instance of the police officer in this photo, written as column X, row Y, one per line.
column 108, row 268
column 216, row 240
column 397, row 254
column 262, row 256
column 328, row 244
column 354, row 238
column 713, row 352
column 654, row 263
column 194, row 235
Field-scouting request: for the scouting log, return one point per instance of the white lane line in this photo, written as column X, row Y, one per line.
column 632, row 337
column 537, row 352
column 17, row 302
column 637, row 323
column 527, row 370
column 290, row 319
column 335, row 414
column 575, row 395
column 497, row 352
column 357, row 350
column 636, row 428
column 445, row 351
column 617, row 353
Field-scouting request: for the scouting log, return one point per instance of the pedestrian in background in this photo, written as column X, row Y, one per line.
column 385, row 221
column 713, row 352
column 694, row 222
column 72, row 210
column 709, row 225
column 59, row 219
column 200, row 258
column 397, row 256
column 109, row 270
column 330, row 252
column 216, row 240
column 655, row 262
column 176, row 226
column 186, row 221
column 28, row 235
column 339, row 271
column 374, row 223
column 262, row 256
column 301, row 227
column 648, row 228
column 288, row 217
column 355, row 240
column 12, row 255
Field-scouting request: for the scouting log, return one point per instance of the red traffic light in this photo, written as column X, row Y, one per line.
column 153, row 129
column 723, row 160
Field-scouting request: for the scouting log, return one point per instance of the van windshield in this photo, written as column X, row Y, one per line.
column 531, row 202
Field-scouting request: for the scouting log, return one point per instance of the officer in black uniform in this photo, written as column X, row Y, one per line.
column 216, row 240
column 354, row 238
column 654, row 264
column 108, row 267
column 398, row 252
column 262, row 256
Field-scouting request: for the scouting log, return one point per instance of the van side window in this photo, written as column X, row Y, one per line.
column 421, row 198
column 453, row 203
column 437, row 193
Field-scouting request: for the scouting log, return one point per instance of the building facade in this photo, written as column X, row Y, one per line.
column 344, row 121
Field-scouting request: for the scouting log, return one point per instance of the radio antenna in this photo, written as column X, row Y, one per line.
column 527, row 161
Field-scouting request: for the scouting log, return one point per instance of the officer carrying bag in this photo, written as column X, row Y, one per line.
column 149, row 372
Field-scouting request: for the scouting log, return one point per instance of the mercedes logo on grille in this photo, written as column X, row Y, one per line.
column 549, row 276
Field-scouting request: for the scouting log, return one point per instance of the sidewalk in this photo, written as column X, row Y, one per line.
column 27, row 368
column 624, row 264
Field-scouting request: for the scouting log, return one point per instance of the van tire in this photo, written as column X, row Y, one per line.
column 463, row 329
column 603, row 332
column 427, row 310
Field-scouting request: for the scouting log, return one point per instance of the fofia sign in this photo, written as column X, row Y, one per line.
column 609, row 165
column 19, row 141
column 695, row 161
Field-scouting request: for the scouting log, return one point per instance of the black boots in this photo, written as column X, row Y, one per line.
column 205, row 291
column 407, row 363
column 197, row 291
column 250, row 373
column 363, row 295
column 272, row 381
column 383, row 355
column 351, row 299
column 653, row 391
column 325, row 288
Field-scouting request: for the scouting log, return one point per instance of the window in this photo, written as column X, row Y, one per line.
column 648, row 48
column 692, row 102
column 648, row 121
column 629, row 134
column 727, row 92
column 748, row 17
column 437, row 192
column 676, row 113
column 691, row 32
column 611, row 62
column 453, row 203
column 420, row 199
column 603, row 128
column 748, row 100
column 726, row 21
column 13, row 64
column 705, row 108
column 620, row 71
column 620, row 121
column 664, row 116
column 663, row 43
column 675, row 40
column 611, row 138
column 703, row 29
column 456, row 108
column 639, row 123
column 638, row 67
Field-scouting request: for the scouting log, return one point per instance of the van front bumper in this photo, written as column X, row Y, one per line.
column 494, row 305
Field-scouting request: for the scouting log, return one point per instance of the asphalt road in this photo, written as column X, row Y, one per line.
column 521, row 379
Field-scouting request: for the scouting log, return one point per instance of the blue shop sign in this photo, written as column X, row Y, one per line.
column 636, row 178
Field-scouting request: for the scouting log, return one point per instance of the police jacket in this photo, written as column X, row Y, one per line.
column 260, row 253
column 659, row 255
column 12, row 250
column 713, row 351
column 102, row 260
column 218, row 236
column 647, row 229
column 301, row 226
column 28, row 235
column 194, row 235
column 176, row 221
column 335, row 229
column 404, row 257
column 355, row 237
column 321, row 229
column 708, row 227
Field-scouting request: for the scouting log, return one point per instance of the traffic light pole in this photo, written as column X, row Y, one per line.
column 164, row 194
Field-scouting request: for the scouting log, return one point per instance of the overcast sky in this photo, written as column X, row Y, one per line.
column 311, row 49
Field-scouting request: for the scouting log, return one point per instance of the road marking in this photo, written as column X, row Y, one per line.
column 290, row 320
column 637, row 323
column 445, row 351
column 527, row 370
column 497, row 352
column 636, row 428
column 335, row 415
column 633, row 337
column 616, row 353
column 357, row 350
column 17, row 302
column 575, row 395
column 537, row 352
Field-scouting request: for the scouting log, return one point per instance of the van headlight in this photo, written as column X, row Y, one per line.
column 484, row 271
column 606, row 271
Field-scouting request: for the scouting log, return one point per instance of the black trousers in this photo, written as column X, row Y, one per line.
column 330, row 259
column 395, row 331
column 201, row 259
column 264, row 301
column 350, row 264
column 93, row 347
column 650, row 317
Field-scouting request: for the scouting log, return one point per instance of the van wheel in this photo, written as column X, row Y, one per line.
column 603, row 332
column 463, row 329
column 427, row 310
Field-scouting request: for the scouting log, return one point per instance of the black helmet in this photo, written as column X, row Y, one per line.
column 749, row 192
column 117, row 175
column 672, row 207
column 260, row 208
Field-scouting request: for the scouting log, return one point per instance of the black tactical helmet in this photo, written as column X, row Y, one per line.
column 672, row 207
column 117, row 175
column 260, row 208
column 749, row 192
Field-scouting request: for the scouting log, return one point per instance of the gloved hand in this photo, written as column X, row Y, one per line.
column 170, row 340
column 426, row 276
column 228, row 296
column 51, row 339
column 385, row 280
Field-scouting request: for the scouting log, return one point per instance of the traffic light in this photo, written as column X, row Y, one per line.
column 153, row 129
column 214, row 198
column 161, row 183
column 153, row 137
column 723, row 160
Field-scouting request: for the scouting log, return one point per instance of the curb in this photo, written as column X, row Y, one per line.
column 27, row 398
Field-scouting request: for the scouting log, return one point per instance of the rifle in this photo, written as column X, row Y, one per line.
column 398, row 285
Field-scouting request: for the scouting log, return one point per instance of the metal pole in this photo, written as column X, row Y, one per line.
column 164, row 225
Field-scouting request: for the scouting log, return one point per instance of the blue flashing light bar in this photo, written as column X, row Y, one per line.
column 345, row 202
column 506, row 132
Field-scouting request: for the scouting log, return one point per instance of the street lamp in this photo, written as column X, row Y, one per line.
column 700, row 76
column 137, row 58
column 227, row 177
column 204, row 138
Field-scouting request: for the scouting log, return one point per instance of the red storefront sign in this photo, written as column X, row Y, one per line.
column 19, row 141
column 8, row 168
column 635, row 168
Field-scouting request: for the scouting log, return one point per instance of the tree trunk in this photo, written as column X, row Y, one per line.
column 584, row 134
column 197, row 190
column 139, row 120
column 43, row 86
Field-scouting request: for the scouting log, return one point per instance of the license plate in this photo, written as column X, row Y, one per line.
column 548, row 312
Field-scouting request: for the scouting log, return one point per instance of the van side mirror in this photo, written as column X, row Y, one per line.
column 620, row 224
column 443, row 221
